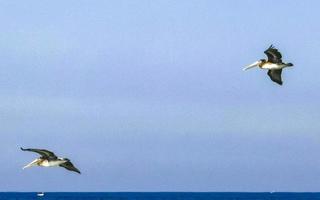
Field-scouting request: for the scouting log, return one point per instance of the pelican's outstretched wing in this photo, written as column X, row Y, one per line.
column 44, row 153
column 69, row 166
column 275, row 75
column 273, row 54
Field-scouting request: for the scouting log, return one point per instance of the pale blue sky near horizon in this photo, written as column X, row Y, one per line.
column 150, row 95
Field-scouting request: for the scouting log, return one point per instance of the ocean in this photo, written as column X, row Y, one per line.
column 158, row 196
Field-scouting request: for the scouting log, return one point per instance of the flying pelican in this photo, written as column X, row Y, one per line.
column 49, row 159
column 274, row 64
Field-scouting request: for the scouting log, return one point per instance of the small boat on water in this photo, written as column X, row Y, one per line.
column 40, row 194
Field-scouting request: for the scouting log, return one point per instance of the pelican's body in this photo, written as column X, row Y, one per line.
column 269, row 65
column 49, row 159
column 274, row 64
column 50, row 163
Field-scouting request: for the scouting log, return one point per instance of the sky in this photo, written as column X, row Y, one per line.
column 150, row 95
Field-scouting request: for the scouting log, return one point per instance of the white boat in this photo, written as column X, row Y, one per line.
column 40, row 194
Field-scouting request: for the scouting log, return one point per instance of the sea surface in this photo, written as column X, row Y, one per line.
column 158, row 196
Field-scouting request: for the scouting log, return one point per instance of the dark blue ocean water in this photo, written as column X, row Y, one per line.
column 159, row 196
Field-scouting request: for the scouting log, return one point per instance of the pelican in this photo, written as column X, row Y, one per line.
column 274, row 64
column 49, row 159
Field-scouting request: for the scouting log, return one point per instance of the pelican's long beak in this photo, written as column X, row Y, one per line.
column 255, row 64
column 33, row 163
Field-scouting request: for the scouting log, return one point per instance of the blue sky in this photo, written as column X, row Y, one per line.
column 150, row 95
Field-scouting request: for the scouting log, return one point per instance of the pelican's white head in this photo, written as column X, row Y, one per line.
column 33, row 163
column 255, row 64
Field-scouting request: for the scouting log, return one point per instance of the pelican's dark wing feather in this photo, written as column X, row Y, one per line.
column 69, row 166
column 273, row 54
column 44, row 153
column 275, row 75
